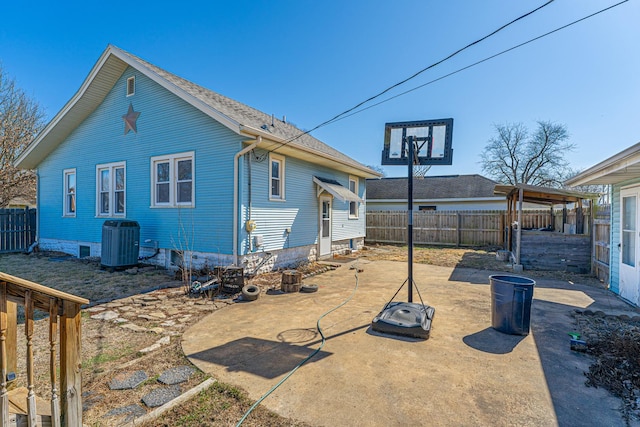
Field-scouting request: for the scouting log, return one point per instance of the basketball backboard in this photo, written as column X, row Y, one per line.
column 431, row 141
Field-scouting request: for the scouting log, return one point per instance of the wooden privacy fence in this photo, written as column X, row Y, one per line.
column 19, row 406
column 459, row 228
column 601, row 242
column 17, row 229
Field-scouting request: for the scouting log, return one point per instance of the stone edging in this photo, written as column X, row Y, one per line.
column 171, row 404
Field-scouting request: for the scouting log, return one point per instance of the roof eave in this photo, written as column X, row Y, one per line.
column 179, row 92
column 29, row 158
column 610, row 171
column 291, row 147
column 58, row 128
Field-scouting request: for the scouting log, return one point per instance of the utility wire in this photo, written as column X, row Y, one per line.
column 416, row 74
column 478, row 62
column 351, row 112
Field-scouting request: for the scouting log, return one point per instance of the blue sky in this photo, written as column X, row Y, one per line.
column 309, row 61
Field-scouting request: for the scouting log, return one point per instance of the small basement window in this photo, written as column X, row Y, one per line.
column 426, row 208
column 131, row 86
column 84, row 251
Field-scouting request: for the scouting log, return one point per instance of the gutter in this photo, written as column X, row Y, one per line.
column 237, row 156
column 366, row 172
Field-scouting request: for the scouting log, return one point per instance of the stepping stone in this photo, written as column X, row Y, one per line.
column 89, row 399
column 176, row 375
column 131, row 411
column 126, row 381
column 133, row 327
column 96, row 309
column 113, row 304
column 106, row 315
column 161, row 395
column 158, row 315
column 145, row 299
column 162, row 341
column 168, row 323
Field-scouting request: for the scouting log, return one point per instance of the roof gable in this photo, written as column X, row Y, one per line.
column 431, row 187
column 238, row 117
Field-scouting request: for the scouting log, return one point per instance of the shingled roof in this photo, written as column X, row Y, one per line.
column 237, row 116
column 431, row 187
column 243, row 114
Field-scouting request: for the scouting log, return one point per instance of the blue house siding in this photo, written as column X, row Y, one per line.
column 616, row 215
column 166, row 125
column 299, row 211
column 177, row 119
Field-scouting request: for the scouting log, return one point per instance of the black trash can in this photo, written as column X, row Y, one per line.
column 511, row 298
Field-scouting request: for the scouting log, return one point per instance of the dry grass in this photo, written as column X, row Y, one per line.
column 480, row 258
column 83, row 277
column 108, row 349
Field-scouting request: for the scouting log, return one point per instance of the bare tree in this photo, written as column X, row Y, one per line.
column 377, row 168
column 20, row 120
column 601, row 189
column 515, row 156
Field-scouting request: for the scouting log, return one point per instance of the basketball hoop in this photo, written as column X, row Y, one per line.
column 425, row 142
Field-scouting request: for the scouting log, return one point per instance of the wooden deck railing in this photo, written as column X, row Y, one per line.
column 64, row 332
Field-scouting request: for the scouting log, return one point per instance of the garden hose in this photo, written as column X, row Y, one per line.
column 291, row 372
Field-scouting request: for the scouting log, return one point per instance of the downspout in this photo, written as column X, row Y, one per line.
column 249, row 201
column 235, row 195
column 35, row 243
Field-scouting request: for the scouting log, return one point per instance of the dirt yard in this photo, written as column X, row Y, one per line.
column 150, row 303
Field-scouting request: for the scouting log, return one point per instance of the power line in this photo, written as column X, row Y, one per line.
column 416, row 74
column 350, row 112
column 477, row 63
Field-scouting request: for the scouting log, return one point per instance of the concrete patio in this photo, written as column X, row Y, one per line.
column 466, row 373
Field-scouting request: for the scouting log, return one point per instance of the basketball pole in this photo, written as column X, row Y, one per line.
column 410, row 215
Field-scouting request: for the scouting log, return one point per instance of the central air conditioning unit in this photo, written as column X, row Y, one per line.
column 120, row 244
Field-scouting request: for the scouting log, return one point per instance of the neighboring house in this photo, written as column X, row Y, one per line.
column 450, row 193
column 201, row 173
column 622, row 172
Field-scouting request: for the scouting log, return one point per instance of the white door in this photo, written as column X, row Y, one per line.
column 629, row 241
column 324, row 238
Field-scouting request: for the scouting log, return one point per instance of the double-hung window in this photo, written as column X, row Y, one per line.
column 353, row 206
column 69, row 192
column 111, row 189
column 173, row 180
column 276, row 177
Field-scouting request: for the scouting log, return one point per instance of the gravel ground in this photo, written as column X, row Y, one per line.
column 614, row 343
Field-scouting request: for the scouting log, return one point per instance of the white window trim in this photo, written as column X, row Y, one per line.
column 357, row 184
column 281, row 159
column 65, row 193
column 173, row 179
column 132, row 78
column 112, row 187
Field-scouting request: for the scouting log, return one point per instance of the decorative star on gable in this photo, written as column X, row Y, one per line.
column 130, row 120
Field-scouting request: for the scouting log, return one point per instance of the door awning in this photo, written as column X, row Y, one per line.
column 336, row 189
